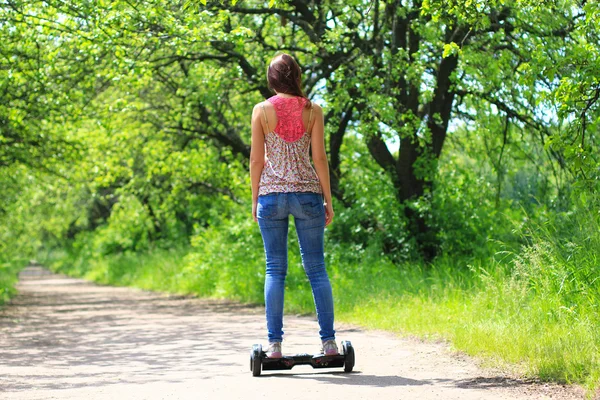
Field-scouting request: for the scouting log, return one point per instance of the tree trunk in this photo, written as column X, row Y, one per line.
column 335, row 143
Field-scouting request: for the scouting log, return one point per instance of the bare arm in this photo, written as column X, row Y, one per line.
column 320, row 160
column 257, row 154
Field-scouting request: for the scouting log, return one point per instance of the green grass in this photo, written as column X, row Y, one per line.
column 9, row 269
column 8, row 278
column 535, row 312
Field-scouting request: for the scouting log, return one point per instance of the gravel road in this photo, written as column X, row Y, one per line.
column 65, row 338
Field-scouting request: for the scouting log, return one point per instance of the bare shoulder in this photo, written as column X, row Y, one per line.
column 317, row 109
column 257, row 106
column 266, row 104
column 256, row 111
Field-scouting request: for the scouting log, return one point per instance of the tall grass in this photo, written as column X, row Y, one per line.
column 13, row 257
column 8, row 278
column 535, row 312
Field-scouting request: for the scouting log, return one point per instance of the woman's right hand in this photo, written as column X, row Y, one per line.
column 328, row 213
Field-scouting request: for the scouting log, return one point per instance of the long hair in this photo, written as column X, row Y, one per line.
column 284, row 76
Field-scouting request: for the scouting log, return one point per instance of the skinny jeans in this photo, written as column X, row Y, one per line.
column 273, row 211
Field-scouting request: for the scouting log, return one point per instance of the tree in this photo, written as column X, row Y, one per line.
column 390, row 72
column 403, row 70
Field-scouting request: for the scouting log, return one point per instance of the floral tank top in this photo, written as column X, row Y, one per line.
column 287, row 163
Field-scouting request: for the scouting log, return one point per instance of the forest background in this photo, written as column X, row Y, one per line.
column 462, row 139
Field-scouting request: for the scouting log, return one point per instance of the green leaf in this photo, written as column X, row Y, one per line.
column 450, row 49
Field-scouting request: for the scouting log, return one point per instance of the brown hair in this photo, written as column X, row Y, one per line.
column 284, row 76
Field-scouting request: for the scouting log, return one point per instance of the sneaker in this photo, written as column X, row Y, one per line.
column 274, row 350
column 329, row 348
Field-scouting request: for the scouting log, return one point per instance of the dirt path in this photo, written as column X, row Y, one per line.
column 64, row 338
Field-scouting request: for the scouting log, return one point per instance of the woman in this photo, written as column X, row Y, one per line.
column 284, row 183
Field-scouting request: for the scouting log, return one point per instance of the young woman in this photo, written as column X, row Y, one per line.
column 283, row 183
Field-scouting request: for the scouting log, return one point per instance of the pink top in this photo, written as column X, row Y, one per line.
column 287, row 163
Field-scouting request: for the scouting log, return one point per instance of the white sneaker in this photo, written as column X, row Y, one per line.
column 329, row 348
column 274, row 350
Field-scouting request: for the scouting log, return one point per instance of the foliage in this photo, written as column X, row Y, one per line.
column 462, row 130
column 16, row 247
column 391, row 73
column 534, row 312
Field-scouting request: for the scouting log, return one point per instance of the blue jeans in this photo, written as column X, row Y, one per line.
column 273, row 212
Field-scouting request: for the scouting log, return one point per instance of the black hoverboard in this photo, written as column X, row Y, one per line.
column 259, row 360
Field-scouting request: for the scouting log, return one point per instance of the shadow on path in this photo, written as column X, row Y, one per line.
column 62, row 333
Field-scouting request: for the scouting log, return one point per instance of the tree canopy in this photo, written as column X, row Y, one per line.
column 141, row 103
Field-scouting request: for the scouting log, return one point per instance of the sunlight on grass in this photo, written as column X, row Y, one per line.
column 511, row 314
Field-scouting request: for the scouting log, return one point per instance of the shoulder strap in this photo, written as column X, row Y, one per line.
column 310, row 118
column 265, row 115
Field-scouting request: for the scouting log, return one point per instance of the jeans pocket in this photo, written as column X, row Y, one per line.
column 312, row 204
column 267, row 206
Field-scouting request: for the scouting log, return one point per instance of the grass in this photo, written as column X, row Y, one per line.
column 8, row 279
column 9, row 269
column 535, row 312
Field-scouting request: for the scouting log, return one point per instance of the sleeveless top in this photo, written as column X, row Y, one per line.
column 287, row 163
